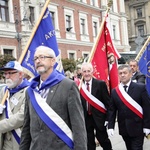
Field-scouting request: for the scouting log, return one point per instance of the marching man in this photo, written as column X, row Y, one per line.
column 131, row 103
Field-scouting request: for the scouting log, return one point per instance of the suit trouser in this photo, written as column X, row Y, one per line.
column 101, row 135
column 134, row 143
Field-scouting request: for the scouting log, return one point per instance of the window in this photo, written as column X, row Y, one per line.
column 68, row 21
column 82, row 26
column 84, row 1
column 31, row 17
column 114, row 31
column 4, row 14
column 141, row 30
column 139, row 12
column 8, row 52
column 53, row 18
column 71, row 56
column 95, row 28
column 85, row 55
column 84, row 35
column 94, row 3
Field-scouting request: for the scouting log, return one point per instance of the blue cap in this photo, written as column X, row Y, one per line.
column 12, row 65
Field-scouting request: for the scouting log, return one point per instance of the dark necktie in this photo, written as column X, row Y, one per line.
column 89, row 107
column 125, row 87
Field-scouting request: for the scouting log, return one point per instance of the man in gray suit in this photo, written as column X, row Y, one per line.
column 12, row 112
column 53, row 111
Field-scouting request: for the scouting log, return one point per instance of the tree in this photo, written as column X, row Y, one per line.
column 69, row 64
column 3, row 60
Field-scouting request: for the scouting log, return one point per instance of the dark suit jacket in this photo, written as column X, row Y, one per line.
column 99, row 90
column 139, row 77
column 64, row 99
column 129, row 123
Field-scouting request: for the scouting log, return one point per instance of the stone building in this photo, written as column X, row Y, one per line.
column 138, row 22
column 76, row 23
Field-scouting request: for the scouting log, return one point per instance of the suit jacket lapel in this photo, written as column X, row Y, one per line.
column 130, row 89
column 51, row 93
column 93, row 87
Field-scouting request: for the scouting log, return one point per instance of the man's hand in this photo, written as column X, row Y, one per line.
column 106, row 123
column 110, row 132
column 146, row 131
column 2, row 107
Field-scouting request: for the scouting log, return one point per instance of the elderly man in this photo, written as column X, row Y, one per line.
column 53, row 113
column 95, row 100
column 12, row 112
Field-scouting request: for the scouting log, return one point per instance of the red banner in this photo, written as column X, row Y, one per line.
column 104, row 60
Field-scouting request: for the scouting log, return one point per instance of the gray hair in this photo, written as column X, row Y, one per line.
column 124, row 66
column 87, row 64
column 49, row 50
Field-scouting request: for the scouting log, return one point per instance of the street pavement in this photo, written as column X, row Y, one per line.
column 118, row 143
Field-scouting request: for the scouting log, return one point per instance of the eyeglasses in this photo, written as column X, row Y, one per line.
column 41, row 58
column 9, row 73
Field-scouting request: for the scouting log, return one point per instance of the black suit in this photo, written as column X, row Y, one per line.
column 139, row 77
column 130, row 125
column 96, row 120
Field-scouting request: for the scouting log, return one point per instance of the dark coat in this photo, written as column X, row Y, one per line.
column 99, row 90
column 139, row 77
column 129, row 123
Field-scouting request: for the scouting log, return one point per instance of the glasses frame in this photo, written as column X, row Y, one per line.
column 9, row 73
column 41, row 58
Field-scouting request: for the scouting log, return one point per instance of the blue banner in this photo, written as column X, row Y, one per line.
column 144, row 66
column 44, row 35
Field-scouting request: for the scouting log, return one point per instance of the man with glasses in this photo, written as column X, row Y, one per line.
column 53, row 113
column 12, row 112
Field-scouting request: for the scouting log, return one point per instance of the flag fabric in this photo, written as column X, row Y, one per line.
column 104, row 59
column 144, row 66
column 44, row 35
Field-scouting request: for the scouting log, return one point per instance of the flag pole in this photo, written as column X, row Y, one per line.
column 100, row 30
column 28, row 44
column 98, row 36
column 33, row 32
column 142, row 49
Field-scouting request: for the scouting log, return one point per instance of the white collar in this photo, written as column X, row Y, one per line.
column 126, row 84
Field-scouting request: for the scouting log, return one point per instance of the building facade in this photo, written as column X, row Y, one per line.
column 138, row 22
column 76, row 23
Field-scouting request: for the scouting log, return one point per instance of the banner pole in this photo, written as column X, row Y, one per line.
column 28, row 44
column 33, row 31
column 98, row 36
column 100, row 30
column 142, row 49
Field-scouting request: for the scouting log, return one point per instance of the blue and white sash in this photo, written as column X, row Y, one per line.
column 51, row 118
column 17, row 132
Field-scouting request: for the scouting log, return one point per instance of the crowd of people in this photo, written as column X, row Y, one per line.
column 53, row 111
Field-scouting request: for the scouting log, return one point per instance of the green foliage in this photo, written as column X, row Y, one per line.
column 3, row 60
column 69, row 64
